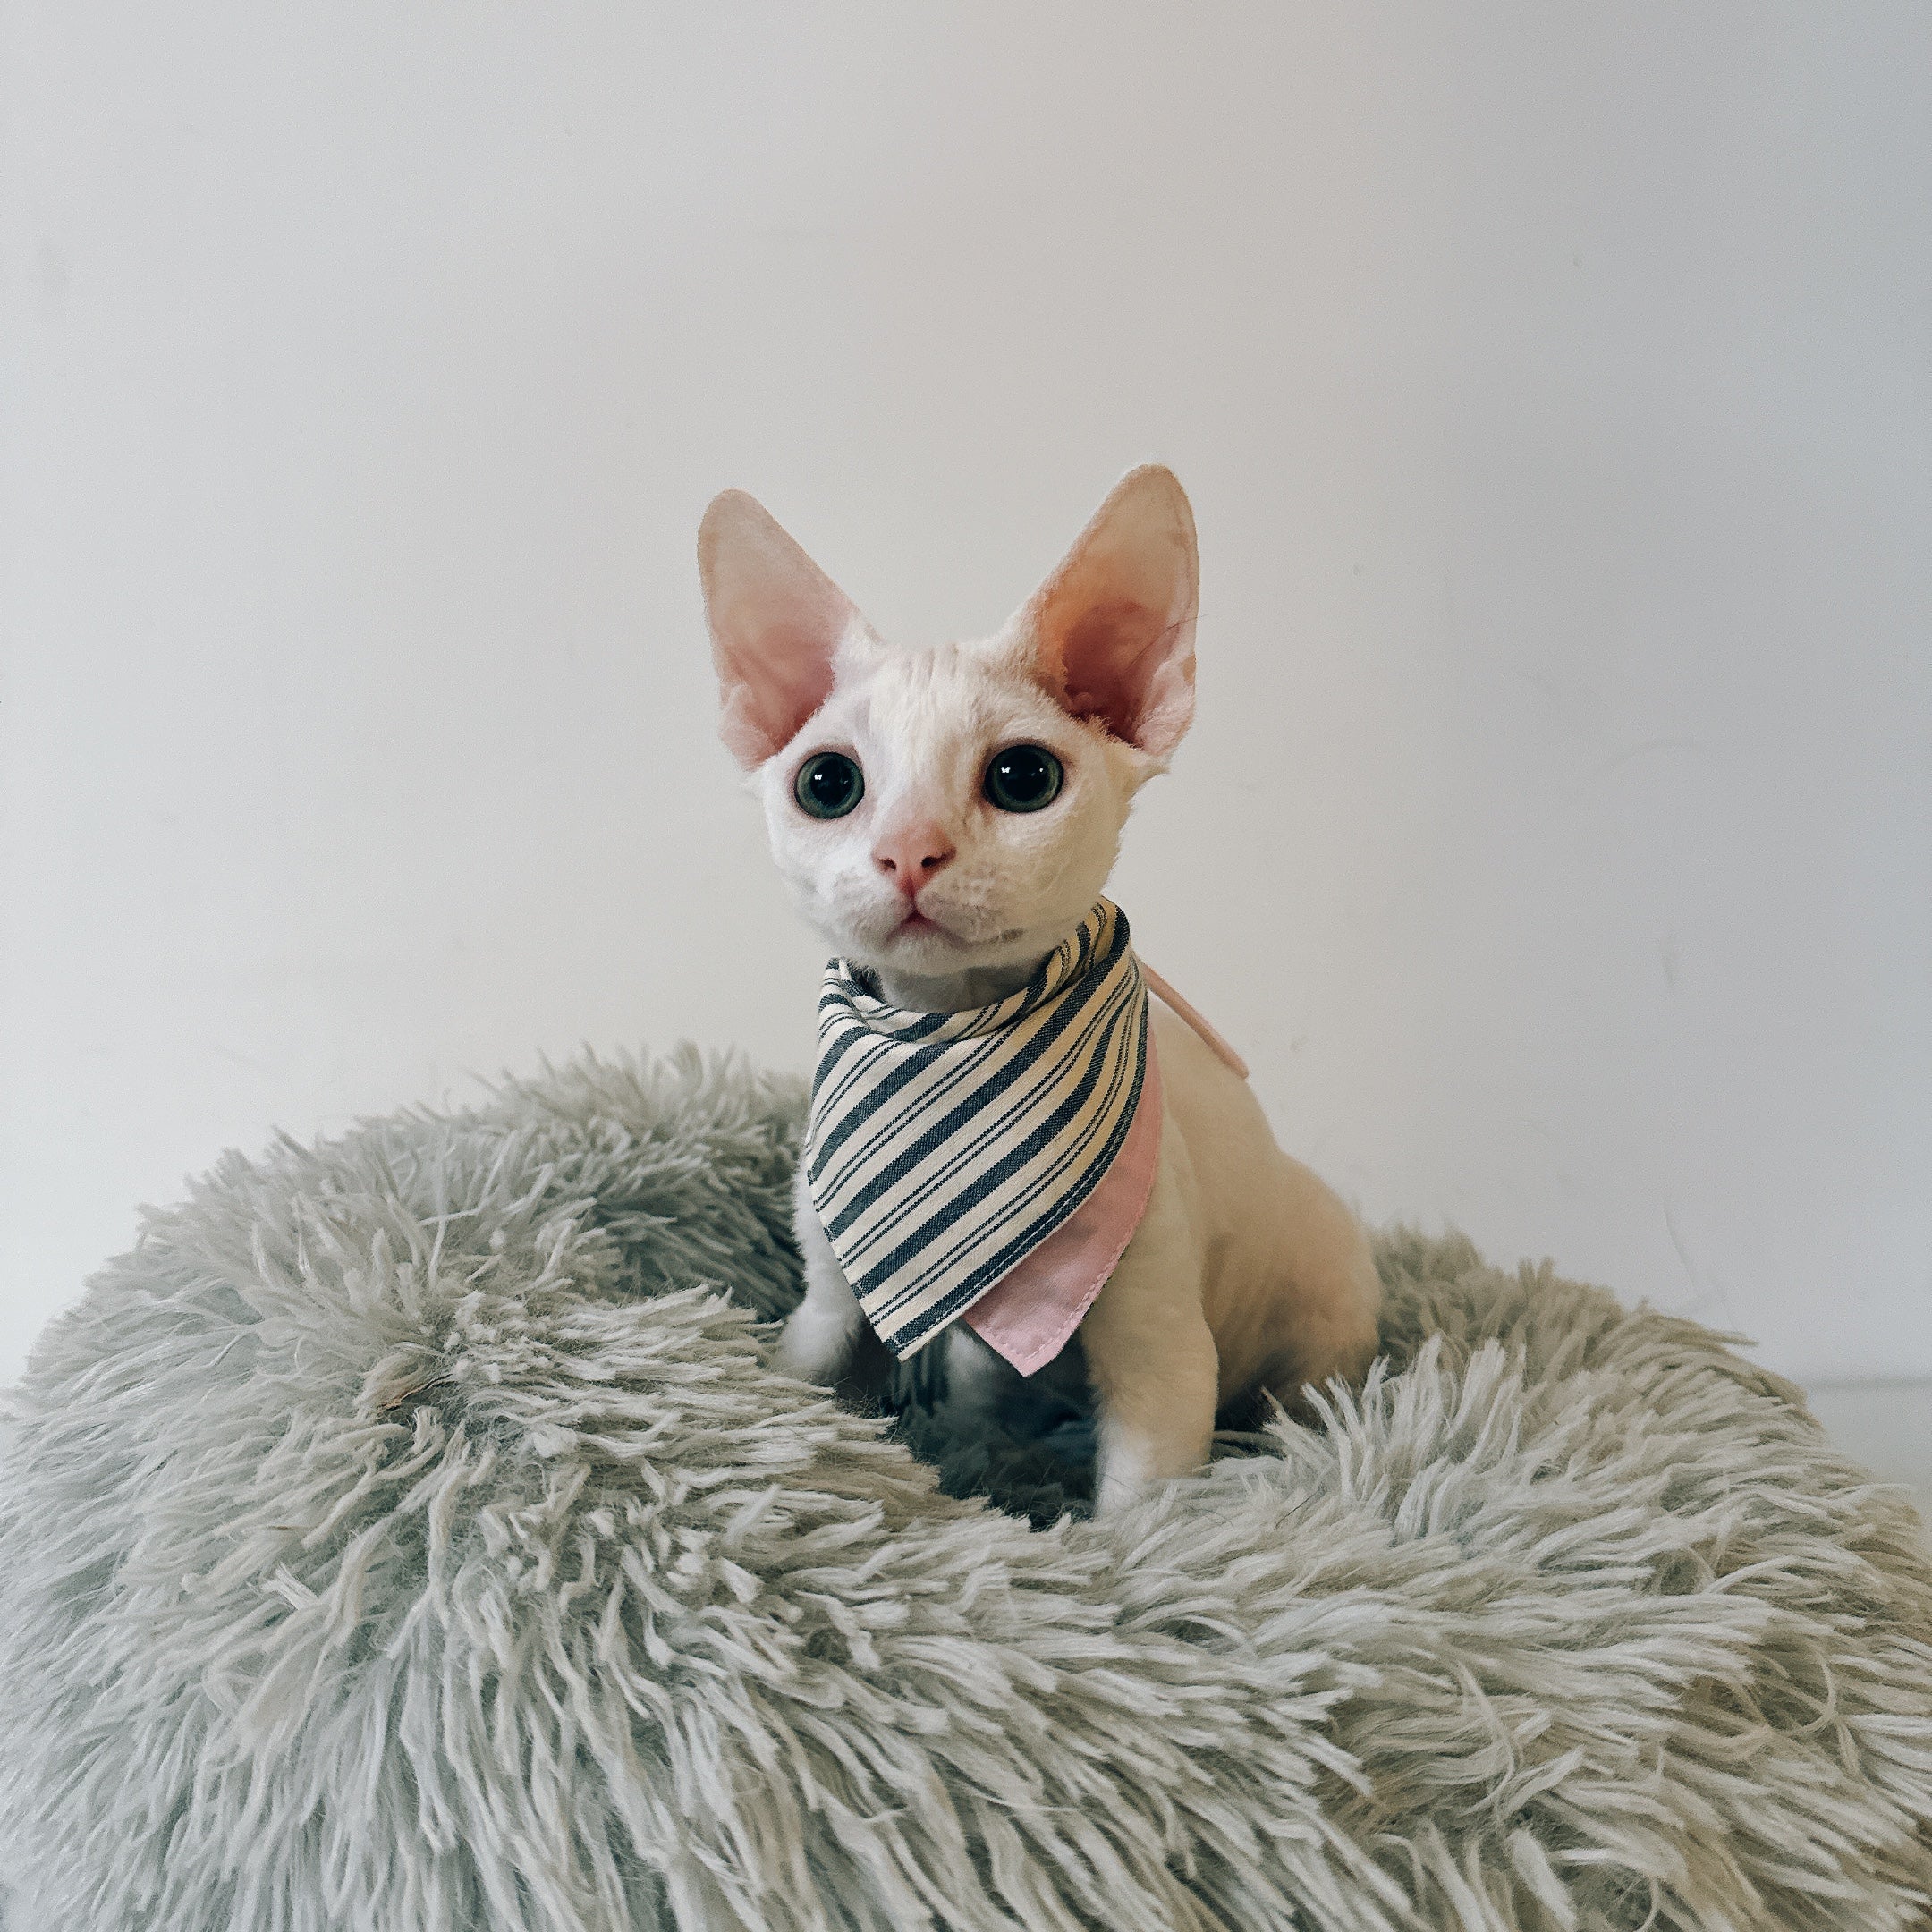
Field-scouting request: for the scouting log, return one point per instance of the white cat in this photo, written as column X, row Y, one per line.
column 1246, row 1273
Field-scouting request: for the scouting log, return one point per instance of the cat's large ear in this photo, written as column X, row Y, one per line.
column 777, row 623
column 1110, row 632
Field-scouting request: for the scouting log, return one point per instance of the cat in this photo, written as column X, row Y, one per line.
column 1245, row 1277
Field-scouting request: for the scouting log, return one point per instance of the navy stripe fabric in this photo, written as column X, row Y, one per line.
column 943, row 1148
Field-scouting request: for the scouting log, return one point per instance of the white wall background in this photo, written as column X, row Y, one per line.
column 1554, row 384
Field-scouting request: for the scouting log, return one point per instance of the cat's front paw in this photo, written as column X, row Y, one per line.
column 815, row 1345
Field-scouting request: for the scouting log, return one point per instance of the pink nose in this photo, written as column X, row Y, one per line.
column 911, row 855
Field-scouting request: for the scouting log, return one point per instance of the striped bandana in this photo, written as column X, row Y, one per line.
column 949, row 1154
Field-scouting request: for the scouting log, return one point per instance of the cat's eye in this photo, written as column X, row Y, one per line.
column 828, row 785
column 1023, row 777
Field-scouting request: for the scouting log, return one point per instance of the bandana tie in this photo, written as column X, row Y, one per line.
column 992, row 1163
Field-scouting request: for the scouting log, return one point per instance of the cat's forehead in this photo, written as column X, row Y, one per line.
column 939, row 693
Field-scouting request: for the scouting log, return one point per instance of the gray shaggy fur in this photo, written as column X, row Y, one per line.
column 409, row 1535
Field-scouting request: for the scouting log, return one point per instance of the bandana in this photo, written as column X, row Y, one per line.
column 992, row 1164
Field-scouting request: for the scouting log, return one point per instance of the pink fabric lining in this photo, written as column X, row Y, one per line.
column 1029, row 1313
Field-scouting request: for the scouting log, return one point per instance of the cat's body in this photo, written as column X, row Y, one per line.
column 1245, row 1271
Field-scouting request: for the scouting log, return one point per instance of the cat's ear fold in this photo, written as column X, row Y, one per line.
column 777, row 623
column 1110, row 632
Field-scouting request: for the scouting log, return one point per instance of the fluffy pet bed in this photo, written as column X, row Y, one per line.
column 410, row 1534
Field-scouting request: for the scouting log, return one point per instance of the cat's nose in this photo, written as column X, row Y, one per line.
column 911, row 855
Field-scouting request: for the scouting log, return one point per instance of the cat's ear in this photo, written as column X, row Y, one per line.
column 1110, row 632
column 777, row 624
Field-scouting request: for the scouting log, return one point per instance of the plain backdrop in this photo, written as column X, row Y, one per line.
column 1554, row 386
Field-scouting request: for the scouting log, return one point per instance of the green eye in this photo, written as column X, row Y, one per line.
column 1023, row 777
column 828, row 785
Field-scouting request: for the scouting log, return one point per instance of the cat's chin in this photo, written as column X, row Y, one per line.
column 921, row 932
column 922, row 948
column 931, row 946
column 920, row 945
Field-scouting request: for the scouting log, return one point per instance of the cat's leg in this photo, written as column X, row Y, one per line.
column 822, row 1334
column 1151, row 1354
column 1328, row 1297
column 975, row 1380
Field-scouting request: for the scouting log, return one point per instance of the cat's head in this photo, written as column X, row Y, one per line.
column 939, row 810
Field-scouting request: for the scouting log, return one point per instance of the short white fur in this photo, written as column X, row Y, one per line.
column 1246, row 1274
